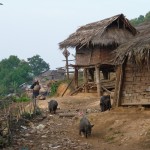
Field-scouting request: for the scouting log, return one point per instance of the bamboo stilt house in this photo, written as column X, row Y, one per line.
column 133, row 61
column 94, row 43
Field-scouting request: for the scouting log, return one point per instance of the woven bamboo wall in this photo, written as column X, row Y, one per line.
column 87, row 56
column 136, row 86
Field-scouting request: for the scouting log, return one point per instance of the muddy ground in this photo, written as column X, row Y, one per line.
column 121, row 128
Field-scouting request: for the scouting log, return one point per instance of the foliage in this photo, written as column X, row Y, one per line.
column 3, row 90
column 22, row 99
column 140, row 19
column 13, row 72
column 38, row 65
column 54, row 88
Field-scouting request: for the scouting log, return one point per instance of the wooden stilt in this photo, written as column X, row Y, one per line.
column 97, row 74
column 119, row 78
column 76, row 77
column 86, row 80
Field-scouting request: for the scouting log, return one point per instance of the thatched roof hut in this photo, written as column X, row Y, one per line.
column 102, row 33
column 133, row 61
column 138, row 49
column 94, row 43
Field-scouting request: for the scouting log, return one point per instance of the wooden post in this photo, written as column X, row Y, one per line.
column 97, row 74
column 118, row 85
column 85, row 79
column 66, row 54
column 67, row 67
column 67, row 87
column 76, row 77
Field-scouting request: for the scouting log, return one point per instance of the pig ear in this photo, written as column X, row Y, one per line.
column 92, row 126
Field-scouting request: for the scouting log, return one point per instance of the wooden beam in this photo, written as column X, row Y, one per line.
column 67, row 87
column 97, row 71
column 105, row 89
column 119, row 78
column 67, row 69
column 76, row 77
column 85, row 77
column 77, row 90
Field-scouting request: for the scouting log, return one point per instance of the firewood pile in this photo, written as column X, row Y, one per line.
column 91, row 86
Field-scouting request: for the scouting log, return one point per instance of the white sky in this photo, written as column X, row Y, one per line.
column 30, row 27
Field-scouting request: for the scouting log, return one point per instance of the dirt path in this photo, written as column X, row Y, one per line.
column 121, row 128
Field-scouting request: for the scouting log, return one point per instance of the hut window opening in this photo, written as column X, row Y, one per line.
column 119, row 23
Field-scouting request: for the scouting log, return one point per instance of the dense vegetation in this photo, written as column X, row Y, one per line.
column 140, row 19
column 14, row 72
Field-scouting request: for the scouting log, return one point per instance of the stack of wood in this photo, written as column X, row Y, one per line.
column 107, row 85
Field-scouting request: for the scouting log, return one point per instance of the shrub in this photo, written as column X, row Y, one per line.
column 22, row 99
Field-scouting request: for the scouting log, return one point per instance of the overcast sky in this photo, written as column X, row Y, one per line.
column 30, row 27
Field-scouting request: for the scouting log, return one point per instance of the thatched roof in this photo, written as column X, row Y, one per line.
column 113, row 30
column 138, row 49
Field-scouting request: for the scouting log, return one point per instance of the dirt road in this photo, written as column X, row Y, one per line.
column 120, row 128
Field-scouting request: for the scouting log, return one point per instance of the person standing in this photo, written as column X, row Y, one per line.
column 36, row 90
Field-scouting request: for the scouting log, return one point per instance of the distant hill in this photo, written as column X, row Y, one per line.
column 140, row 19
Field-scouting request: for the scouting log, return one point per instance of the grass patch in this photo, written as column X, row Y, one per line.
column 21, row 99
column 27, row 115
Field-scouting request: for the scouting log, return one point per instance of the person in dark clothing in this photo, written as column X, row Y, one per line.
column 36, row 89
column 105, row 103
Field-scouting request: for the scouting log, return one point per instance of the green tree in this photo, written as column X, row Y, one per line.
column 147, row 16
column 140, row 19
column 38, row 65
column 134, row 22
column 13, row 72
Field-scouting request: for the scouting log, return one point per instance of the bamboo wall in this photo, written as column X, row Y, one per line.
column 87, row 56
column 136, row 86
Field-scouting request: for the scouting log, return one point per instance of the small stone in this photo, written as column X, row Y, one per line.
column 43, row 136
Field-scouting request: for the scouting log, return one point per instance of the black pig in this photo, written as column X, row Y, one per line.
column 85, row 127
column 52, row 106
column 105, row 103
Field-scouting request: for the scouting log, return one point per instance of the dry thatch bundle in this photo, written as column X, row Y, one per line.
column 138, row 49
column 113, row 30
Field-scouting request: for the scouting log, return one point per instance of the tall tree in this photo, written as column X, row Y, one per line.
column 38, row 65
column 13, row 72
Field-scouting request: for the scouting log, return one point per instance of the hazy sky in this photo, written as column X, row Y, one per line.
column 30, row 27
